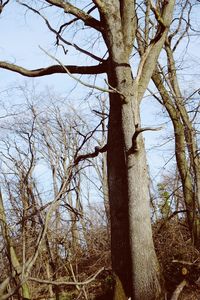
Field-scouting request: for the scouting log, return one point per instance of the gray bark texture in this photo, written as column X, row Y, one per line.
column 133, row 256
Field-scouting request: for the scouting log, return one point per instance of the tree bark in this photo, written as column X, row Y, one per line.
column 133, row 256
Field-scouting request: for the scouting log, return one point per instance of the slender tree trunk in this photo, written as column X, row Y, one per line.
column 11, row 253
column 184, row 140
column 189, row 130
column 50, row 288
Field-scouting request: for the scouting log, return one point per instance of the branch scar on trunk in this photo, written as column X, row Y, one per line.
column 135, row 148
column 90, row 155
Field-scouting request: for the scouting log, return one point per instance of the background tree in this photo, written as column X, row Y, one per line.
column 73, row 238
column 183, row 119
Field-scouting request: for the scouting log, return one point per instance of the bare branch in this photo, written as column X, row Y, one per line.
column 80, row 14
column 151, row 53
column 77, row 79
column 90, row 155
column 57, row 283
column 2, row 5
column 4, row 285
column 59, row 37
column 54, row 69
column 138, row 130
column 157, row 15
column 178, row 290
column 188, row 263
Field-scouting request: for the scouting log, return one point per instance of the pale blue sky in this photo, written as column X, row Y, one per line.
column 21, row 35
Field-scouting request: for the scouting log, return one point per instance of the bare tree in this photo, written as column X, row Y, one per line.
column 133, row 256
column 45, row 241
column 171, row 97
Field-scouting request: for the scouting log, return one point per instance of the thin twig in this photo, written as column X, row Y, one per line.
column 77, row 79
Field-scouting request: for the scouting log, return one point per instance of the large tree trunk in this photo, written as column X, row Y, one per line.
column 133, row 256
column 118, row 197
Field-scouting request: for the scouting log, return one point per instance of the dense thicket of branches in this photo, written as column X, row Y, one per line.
column 43, row 190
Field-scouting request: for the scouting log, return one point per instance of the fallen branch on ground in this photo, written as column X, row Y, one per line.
column 57, row 283
column 178, row 290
